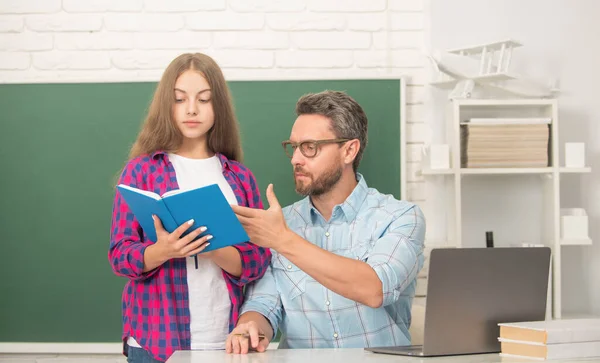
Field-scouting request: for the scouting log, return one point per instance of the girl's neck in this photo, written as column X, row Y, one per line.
column 193, row 149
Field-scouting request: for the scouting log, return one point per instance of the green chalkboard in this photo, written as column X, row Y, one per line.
column 61, row 149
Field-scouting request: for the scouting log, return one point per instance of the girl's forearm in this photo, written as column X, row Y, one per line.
column 228, row 258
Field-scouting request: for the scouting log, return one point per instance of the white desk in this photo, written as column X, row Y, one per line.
column 338, row 356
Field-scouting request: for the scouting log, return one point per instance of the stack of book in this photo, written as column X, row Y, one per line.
column 505, row 142
column 551, row 339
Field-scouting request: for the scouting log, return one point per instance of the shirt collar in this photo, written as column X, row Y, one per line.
column 222, row 158
column 349, row 208
column 158, row 153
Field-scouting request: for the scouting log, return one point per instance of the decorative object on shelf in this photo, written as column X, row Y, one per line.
column 486, row 65
column 574, row 227
column 575, row 154
column 439, row 157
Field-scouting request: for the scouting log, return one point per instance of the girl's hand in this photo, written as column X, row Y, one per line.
column 171, row 245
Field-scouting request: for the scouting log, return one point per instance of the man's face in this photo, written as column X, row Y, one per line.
column 319, row 174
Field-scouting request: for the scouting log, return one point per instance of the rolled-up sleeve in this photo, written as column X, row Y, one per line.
column 126, row 251
column 397, row 256
column 255, row 261
column 262, row 297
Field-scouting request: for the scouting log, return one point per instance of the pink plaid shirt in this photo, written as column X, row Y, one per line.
column 155, row 304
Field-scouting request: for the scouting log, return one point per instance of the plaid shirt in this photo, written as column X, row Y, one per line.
column 369, row 226
column 155, row 304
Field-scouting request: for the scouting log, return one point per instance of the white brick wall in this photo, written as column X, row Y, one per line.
column 308, row 21
column 100, row 6
column 133, row 40
column 29, row 6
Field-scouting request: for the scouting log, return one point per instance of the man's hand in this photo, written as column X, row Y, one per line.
column 266, row 228
column 246, row 337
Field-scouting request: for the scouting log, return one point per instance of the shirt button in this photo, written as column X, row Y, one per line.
column 326, row 234
column 335, row 335
column 327, row 303
column 289, row 267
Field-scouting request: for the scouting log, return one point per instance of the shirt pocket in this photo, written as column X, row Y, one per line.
column 290, row 279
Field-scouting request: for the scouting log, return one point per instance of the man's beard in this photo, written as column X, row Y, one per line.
column 321, row 185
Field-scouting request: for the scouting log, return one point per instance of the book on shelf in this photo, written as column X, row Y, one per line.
column 516, row 145
column 507, row 121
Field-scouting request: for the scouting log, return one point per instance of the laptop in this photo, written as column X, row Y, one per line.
column 471, row 290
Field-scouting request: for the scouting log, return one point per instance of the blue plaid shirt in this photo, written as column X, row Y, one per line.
column 369, row 226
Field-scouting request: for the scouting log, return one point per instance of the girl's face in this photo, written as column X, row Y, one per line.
column 193, row 110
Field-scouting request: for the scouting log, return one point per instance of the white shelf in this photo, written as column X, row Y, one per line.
column 488, row 171
column 576, row 242
column 548, row 220
column 499, row 171
column 505, row 102
column 575, row 170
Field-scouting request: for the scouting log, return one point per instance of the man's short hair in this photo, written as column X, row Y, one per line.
column 348, row 120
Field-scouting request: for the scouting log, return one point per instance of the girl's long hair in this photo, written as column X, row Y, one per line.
column 159, row 132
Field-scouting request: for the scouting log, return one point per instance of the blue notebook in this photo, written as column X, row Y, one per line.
column 207, row 206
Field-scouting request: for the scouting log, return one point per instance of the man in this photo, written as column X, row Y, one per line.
column 345, row 259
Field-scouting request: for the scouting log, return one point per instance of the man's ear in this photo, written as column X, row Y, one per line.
column 351, row 150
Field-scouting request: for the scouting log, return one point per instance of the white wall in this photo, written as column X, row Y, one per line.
column 561, row 40
column 133, row 40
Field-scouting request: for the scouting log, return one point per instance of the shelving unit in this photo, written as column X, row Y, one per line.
column 547, row 186
column 492, row 171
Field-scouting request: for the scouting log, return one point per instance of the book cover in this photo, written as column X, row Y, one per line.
column 207, row 206
column 552, row 331
column 517, row 348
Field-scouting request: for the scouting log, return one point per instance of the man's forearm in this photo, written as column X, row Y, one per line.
column 263, row 323
column 355, row 280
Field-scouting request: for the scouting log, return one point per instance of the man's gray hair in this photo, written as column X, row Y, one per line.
column 348, row 120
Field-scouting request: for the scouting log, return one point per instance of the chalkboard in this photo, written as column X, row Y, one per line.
column 61, row 149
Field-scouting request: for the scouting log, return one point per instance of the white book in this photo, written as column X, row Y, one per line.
column 552, row 331
column 518, row 348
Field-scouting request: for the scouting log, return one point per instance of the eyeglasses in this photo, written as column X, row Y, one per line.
column 308, row 148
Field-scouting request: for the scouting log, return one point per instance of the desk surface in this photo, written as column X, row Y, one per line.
column 338, row 356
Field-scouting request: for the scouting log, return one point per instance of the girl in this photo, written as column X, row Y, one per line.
column 189, row 139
